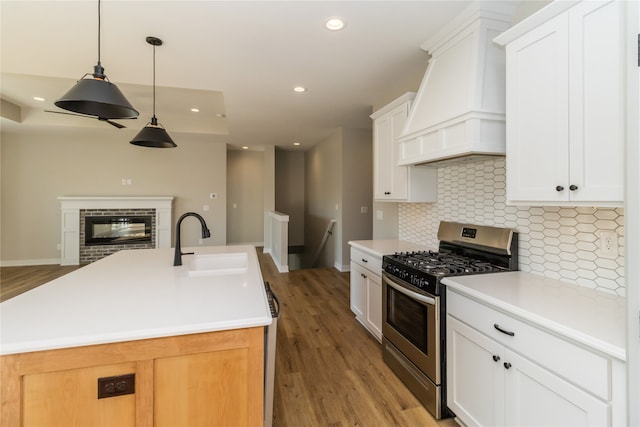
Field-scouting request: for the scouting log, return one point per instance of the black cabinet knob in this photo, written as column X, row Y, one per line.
column 559, row 188
column 573, row 187
column 507, row 365
column 496, row 358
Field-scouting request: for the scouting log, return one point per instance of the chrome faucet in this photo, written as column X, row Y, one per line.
column 177, row 258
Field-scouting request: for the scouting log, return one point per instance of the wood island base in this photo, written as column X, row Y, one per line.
column 204, row 379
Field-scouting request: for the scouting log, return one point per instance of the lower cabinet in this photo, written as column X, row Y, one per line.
column 366, row 299
column 358, row 291
column 374, row 305
column 492, row 386
column 215, row 382
column 366, row 290
column 68, row 398
column 207, row 379
column 528, row 378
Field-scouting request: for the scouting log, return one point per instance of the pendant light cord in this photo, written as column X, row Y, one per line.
column 154, row 81
column 98, row 71
column 99, row 32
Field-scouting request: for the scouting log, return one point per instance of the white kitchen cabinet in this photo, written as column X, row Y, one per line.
column 392, row 182
column 366, row 290
column 358, row 288
column 565, row 105
column 524, row 375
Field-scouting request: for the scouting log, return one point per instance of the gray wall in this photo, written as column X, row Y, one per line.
column 357, row 191
column 338, row 183
column 323, row 175
column 39, row 166
column 245, row 195
column 387, row 227
column 290, row 187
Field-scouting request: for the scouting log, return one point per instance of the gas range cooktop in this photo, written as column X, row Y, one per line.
column 444, row 264
column 464, row 249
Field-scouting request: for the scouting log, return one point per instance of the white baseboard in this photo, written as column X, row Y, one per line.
column 342, row 268
column 23, row 262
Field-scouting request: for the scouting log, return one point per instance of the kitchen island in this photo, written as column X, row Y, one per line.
column 133, row 340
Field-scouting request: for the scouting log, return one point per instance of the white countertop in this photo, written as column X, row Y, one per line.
column 584, row 315
column 132, row 295
column 386, row 247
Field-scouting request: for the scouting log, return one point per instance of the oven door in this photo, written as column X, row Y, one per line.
column 411, row 322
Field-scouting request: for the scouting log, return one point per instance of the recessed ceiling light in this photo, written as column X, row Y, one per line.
column 39, row 98
column 244, row 147
column 296, row 143
column 334, row 24
column 299, row 89
column 195, row 110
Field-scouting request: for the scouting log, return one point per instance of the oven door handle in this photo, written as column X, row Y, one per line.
column 411, row 294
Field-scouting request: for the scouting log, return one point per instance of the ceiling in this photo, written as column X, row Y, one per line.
column 238, row 59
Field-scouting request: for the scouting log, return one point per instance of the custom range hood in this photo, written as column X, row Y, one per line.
column 459, row 110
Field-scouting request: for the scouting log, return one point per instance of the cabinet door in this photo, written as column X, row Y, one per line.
column 374, row 305
column 358, row 294
column 390, row 181
column 536, row 397
column 596, row 58
column 537, row 116
column 69, row 398
column 475, row 376
column 204, row 389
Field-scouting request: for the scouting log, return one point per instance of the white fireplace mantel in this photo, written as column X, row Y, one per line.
column 70, row 219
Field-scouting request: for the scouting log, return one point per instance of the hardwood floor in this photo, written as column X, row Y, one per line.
column 329, row 370
column 16, row 280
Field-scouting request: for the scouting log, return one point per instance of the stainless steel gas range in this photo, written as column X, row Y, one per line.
column 414, row 302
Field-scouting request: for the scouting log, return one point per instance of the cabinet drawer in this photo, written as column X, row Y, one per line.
column 577, row 364
column 368, row 261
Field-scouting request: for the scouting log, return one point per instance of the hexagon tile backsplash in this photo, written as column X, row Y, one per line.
column 556, row 242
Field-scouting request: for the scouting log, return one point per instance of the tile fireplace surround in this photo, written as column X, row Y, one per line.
column 70, row 219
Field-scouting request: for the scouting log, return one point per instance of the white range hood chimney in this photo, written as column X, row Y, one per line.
column 459, row 110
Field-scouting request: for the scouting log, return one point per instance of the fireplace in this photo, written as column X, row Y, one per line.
column 116, row 230
column 110, row 235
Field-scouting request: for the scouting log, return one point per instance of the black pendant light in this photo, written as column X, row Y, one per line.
column 97, row 96
column 153, row 134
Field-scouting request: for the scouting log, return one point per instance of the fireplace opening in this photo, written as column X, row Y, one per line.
column 117, row 230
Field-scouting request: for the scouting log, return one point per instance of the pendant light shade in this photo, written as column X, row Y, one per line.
column 153, row 135
column 96, row 95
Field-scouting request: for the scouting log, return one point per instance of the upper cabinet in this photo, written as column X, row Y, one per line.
column 565, row 105
column 393, row 183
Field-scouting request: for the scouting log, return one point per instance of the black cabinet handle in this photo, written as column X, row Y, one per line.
column 495, row 325
column 364, row 260
column 495, row 358
column 507, row 365
column 573, row 187
column 559, row 188
column 387, row 193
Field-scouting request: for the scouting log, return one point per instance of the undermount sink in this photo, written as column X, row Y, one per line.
column 217, row 264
